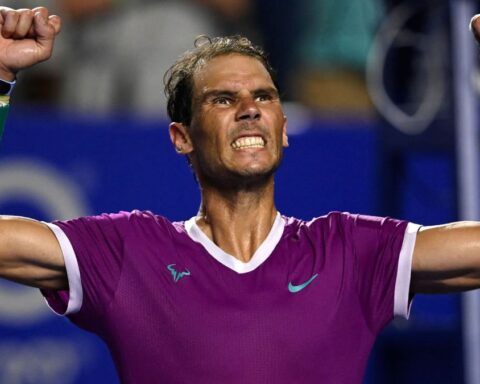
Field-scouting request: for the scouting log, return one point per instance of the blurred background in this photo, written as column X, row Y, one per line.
column 381, row 100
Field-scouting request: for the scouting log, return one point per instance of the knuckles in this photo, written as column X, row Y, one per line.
column 475, row 26
column 20, row 23
column 40, row 9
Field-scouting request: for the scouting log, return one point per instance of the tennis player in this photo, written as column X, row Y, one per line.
column 238, row 293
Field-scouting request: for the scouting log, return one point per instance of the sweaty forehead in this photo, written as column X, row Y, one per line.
column 232, row 72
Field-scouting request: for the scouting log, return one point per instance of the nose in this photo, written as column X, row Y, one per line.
column 248, row 109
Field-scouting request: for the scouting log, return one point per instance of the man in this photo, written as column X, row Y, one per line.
column 238, row 293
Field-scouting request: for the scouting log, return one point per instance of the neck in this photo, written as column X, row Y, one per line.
column 238, row 221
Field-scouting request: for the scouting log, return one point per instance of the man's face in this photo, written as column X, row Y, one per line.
column 238, row 128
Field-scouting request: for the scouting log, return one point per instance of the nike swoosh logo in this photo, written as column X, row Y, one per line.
column 297, row 288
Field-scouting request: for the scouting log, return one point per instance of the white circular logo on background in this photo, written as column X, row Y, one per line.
column 60, row 198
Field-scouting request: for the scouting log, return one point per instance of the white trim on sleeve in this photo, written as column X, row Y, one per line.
column 401, row 306
column 73, row 271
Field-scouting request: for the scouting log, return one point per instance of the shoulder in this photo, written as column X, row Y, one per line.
column 148, row 220
column 342, row 222
column 122, row 222
column 327, row 221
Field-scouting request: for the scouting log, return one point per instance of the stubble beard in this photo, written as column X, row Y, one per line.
column 237, row 181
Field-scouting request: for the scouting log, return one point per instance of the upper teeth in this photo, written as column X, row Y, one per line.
column 248, row 142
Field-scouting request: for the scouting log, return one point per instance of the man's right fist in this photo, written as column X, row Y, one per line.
column 26, row 38
column 475, row 27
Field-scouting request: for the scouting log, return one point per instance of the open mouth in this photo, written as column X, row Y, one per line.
column 248, row 142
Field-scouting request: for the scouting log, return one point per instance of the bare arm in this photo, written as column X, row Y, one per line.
column 29, row 251
column 30, row 254
column 446, row 258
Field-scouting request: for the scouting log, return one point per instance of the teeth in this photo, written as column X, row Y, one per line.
column 248, row 142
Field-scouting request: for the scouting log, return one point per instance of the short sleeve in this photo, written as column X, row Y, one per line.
column 383, row 250
column 93, row 249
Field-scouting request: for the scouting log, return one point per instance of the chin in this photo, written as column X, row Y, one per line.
column 237, row 176
column 256, row 166
column 255, row 172
column 251, row 178
column 246, row 179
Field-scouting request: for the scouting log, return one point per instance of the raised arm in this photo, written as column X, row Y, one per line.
column 446, row 258
column 29, row 251
column 26, row 38
column 30, row 254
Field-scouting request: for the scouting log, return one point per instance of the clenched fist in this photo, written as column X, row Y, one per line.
column 26, row 38
column 475, row 27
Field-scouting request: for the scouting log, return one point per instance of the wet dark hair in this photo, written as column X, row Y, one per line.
column 178, row 79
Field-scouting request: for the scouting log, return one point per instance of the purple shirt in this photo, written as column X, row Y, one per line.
column 174, row 308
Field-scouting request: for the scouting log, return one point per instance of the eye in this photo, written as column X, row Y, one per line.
column 264, row 97
column 222, row 100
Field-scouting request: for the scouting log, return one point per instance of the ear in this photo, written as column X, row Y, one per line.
column 180, row 138
column 284, row 132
